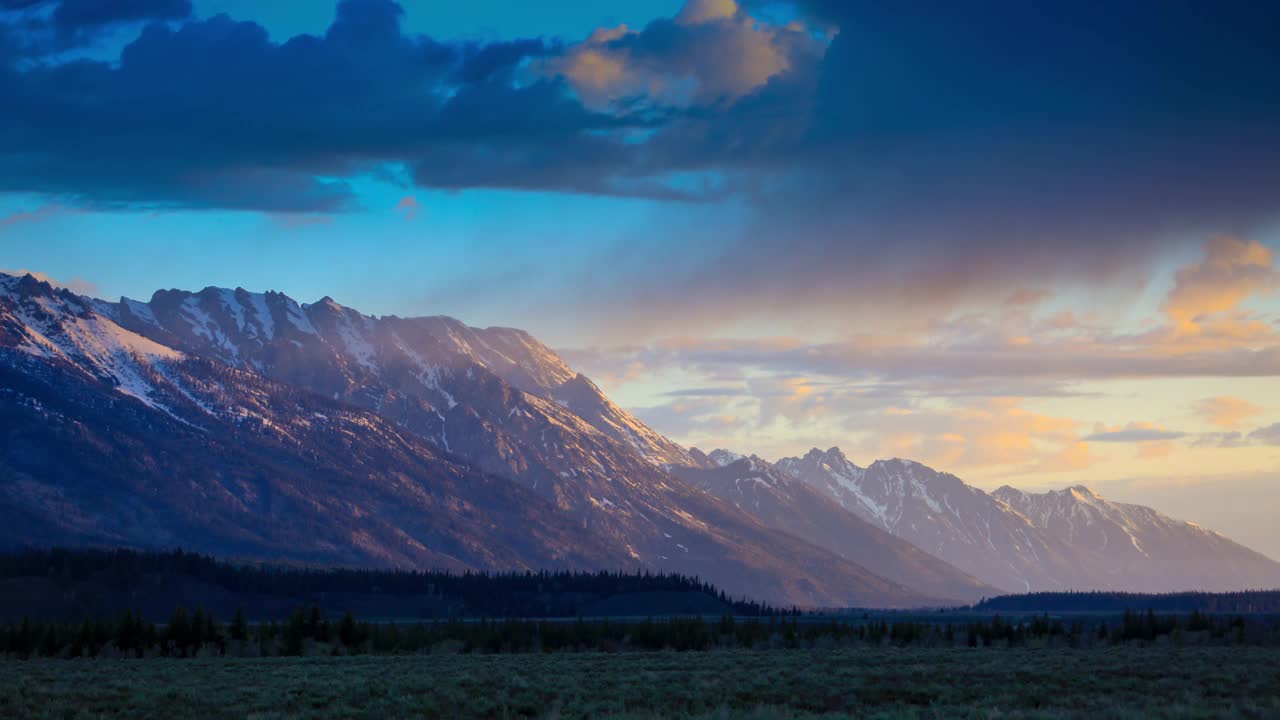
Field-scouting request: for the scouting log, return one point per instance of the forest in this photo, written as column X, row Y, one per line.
column 61, row 584
column 310, row 633
column 1252, row 601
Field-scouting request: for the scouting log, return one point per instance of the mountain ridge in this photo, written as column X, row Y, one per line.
column 406, row 377
column 497, row 403
column 1024, row 541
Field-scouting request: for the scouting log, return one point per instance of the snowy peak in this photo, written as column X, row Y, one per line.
column 24, row 285
column 938, row 513
column 722, row 458
column 888, row 492
column 1074, row 500
column 412, row 369
column 1080, row 516
column 514, row 355
column 1009, row 494
column 41, row 322
column 263, row 379
column 256, row 329
column 779, row 499
column 1023, row 541
column 830, row 471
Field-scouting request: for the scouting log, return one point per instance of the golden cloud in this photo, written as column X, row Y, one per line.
column 712, row 51
column 1227, row 412
column 996, row 432
column 1231, row 271
column 701, row 11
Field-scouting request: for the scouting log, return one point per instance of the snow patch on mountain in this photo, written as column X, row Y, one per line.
column 724, row 458
column 296, row 317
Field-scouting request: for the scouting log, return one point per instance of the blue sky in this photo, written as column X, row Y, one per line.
column 1006, row 239
column 476, row 18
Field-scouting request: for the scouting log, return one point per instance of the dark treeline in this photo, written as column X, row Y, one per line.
column 198, row 634
column 264, row 589
column 1246, row 602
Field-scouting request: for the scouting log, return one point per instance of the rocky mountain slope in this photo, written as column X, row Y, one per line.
column 252, row 425
column 1134, row 547
column 249, row 424
column 1071, row 539
column 785, row 502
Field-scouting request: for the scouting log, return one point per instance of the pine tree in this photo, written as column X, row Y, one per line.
column 348, row 633
column 178, row 633
column 239, row 626
column 295, row 633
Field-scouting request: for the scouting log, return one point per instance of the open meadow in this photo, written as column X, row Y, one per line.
column 1115, row 682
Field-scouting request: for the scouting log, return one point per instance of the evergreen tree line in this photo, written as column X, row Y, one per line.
column 198, row 634
column 544, row 593
column 1243, row 602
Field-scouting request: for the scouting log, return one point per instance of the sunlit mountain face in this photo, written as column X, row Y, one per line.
column 249, row 424
column 1026, row 254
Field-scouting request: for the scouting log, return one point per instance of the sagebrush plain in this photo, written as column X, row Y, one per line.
column 1120, row 682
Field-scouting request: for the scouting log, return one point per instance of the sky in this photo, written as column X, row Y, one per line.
column 1030, row 245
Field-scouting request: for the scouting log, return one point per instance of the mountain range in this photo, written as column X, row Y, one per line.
column 249, row 425
column 1019, row 541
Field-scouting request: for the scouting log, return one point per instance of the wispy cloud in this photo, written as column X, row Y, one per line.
column 957, row 391
column 408, row 207
column 1269, row 435
column 1227, row 412
column 1135, row 433
column 21, row 217
column 1004, row 346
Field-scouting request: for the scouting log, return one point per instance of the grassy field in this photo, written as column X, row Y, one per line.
column 881, row 683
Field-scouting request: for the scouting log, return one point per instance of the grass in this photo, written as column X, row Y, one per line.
column 883, row 683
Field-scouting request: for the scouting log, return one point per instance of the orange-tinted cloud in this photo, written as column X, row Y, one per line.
column 995, row 432
column 409, row 206
column 1227, row 412
column 701, row 11
column 1231, row 271
column 713, row 50
column 26, row 216
column 1026, row 296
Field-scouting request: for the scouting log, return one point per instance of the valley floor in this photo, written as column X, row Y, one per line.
column 1123, row 682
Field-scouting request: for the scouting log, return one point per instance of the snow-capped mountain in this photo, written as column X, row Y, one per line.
column 782, row 501
column 252, row 425
column 1135, row 546
column 1072, row 539
column 111, row 438
column 65, row 329
column 719, row 458
column 941, row 515
column 388, row 364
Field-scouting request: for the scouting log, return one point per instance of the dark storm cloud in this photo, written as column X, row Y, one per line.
column 74, row 15
column 929, row 137
column 213, row 113
column 945, row 152
column 48, row 27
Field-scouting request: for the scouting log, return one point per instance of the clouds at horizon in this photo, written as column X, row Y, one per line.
column 967, row 392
